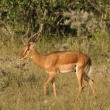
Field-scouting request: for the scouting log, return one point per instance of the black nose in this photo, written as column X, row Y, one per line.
column 21, row 58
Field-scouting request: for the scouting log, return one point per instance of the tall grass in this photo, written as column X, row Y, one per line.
column 21, row 82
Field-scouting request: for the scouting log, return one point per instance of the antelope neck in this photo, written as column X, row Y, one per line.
column 37, row 58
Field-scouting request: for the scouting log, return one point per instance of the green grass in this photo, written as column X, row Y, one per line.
column 21, row 82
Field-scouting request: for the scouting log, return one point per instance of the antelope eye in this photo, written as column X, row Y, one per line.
column 27, row 49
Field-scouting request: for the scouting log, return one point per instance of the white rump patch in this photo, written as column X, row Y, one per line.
column 76, row 71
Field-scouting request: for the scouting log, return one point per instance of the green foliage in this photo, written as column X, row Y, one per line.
column 85, row 23
column 18, row 13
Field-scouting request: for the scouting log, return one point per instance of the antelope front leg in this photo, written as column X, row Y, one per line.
column 51, row 77
column 53, row 85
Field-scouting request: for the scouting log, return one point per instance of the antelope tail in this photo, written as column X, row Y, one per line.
column 88, row 68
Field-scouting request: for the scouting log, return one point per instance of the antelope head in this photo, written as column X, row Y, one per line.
column 27, row 50
column 27, row 46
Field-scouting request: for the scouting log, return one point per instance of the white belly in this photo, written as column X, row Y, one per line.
column 66, row 71
column 67, row 68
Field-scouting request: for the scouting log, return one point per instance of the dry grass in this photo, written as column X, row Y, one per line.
column 21, row 85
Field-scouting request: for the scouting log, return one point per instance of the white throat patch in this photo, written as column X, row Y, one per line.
column 31, row 57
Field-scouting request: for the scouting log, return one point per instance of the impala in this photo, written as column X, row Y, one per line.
column 60, row 62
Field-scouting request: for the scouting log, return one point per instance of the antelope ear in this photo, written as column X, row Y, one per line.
column 32, row 44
